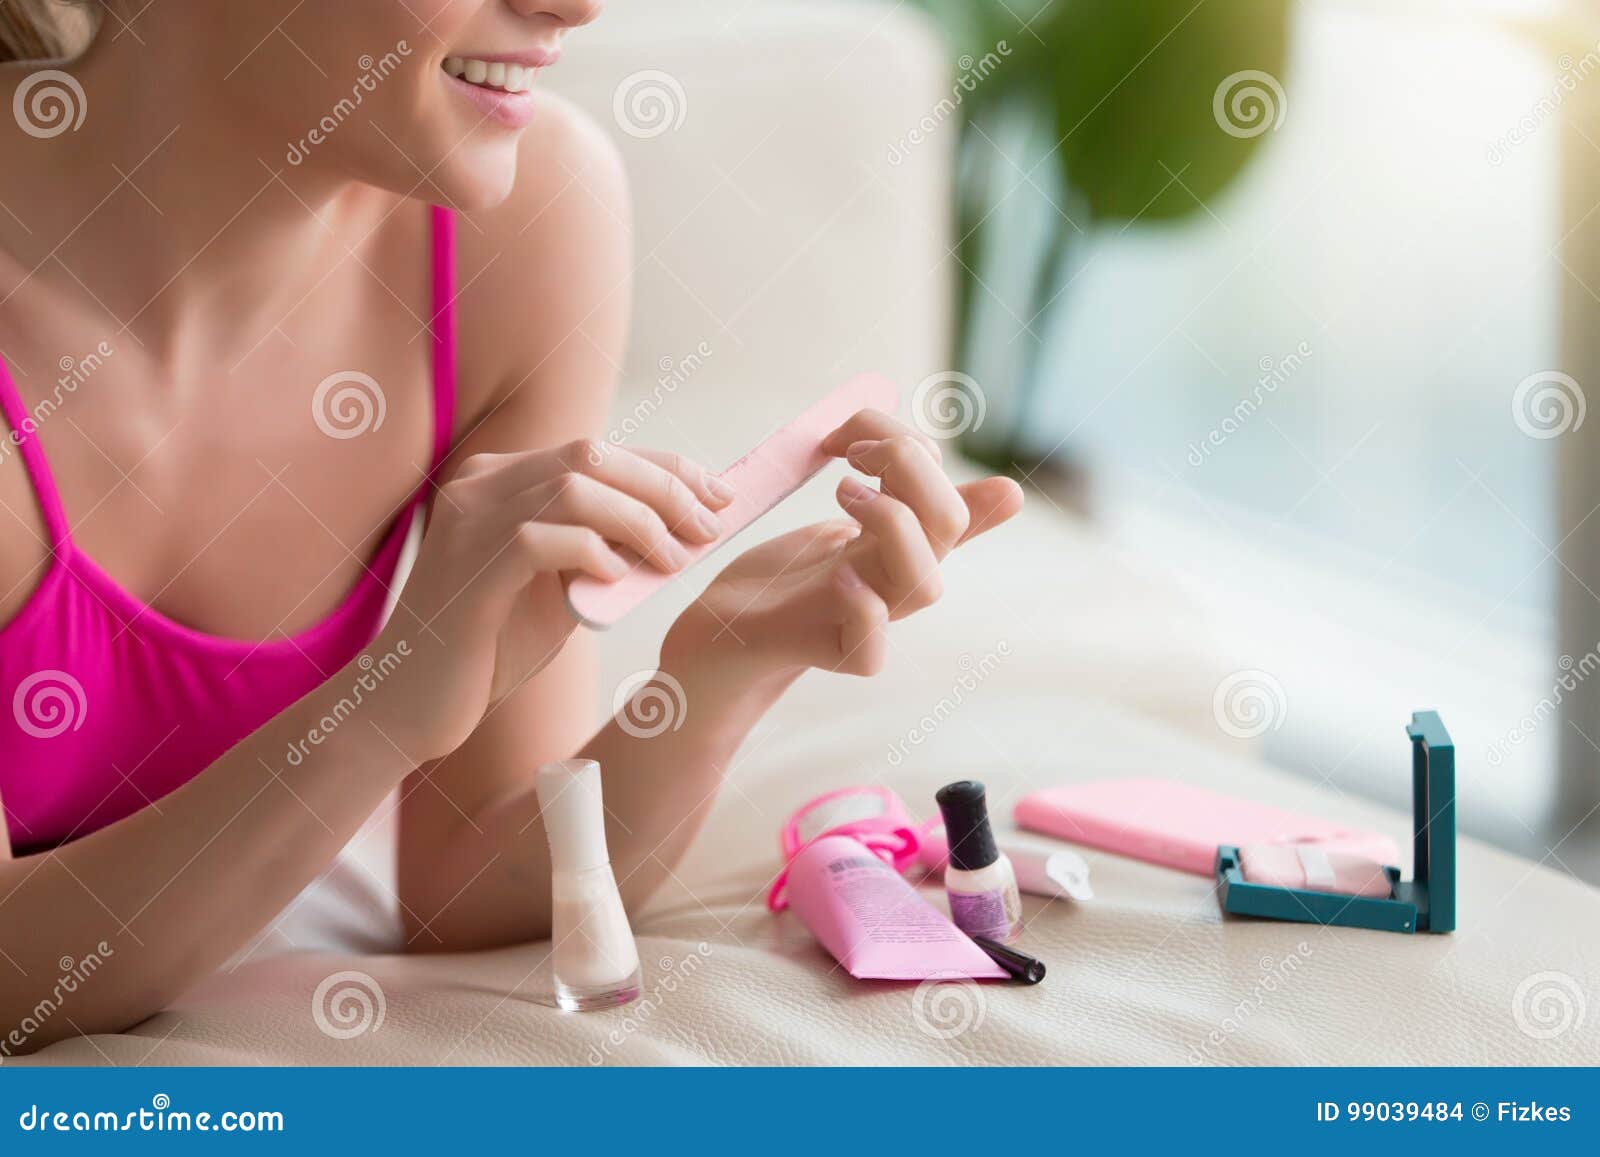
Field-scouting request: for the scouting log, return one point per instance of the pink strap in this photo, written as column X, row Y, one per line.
column 22, row 435
column 443, row 325
column 872, row 814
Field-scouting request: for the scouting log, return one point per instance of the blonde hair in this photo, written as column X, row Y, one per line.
column 46, row 29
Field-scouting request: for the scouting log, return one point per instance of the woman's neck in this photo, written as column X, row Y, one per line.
column 174, row 219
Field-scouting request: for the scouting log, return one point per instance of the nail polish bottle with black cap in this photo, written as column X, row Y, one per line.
column 979, row 880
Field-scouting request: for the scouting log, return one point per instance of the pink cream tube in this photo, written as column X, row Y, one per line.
column 875, row 924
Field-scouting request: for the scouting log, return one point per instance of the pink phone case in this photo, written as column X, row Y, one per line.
column 1177, row 825
column 767, row 475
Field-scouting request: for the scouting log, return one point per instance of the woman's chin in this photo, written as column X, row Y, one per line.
column 470, row 174
column 474, row 179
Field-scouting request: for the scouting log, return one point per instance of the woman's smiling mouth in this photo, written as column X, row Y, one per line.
column 498, row 85
column 490, row 73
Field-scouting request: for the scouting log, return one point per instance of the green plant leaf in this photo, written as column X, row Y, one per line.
column 1131, row 87
column 1134, row 87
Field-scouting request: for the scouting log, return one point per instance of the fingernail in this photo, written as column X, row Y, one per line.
column 707, row 522
column 856, row 491
column 856, row 449
column 616, row 565
column 720, row 490
column 849, row 579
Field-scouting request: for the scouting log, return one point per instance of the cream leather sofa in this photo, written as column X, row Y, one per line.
column 779, row 251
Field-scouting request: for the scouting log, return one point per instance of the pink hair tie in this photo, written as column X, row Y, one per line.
column 874, row 816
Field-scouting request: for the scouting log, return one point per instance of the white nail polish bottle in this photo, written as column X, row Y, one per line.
column 593, row 958
column 979, row 881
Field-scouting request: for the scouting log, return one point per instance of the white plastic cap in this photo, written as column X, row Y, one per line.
column 574, row 816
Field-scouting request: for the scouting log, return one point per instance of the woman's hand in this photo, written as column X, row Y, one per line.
column 822, row 596
column 485, row 606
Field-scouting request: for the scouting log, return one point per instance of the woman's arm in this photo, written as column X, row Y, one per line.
column 476, row 873
column 544, row 314
column 543, row 317
column 474, row 867
column 177, row 888
column 818, row 597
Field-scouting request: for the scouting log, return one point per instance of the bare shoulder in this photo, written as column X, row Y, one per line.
column 543, row 282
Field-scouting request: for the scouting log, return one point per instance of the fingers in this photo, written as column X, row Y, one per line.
column 840, row 624
column 874, row 426
column 821, row 613
column 682, row 493
column 548, row 546
column 669, row 493
column 862, row 636
column 910, row 569
column 577, row 500
column 899, row 562
column 910, row 578
column 707, row 487
column 913, row 476
column 990, row 502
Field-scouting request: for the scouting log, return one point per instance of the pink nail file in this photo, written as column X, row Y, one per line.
column 767, row 475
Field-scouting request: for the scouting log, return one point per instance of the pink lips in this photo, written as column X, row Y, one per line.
column 512, row 109
column 528, row 57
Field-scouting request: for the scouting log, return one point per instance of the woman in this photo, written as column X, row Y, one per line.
column 276, row 277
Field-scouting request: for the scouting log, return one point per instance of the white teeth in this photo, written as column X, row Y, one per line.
column 495, row 74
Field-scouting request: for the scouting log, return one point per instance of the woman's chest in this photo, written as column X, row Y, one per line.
column 242, row 500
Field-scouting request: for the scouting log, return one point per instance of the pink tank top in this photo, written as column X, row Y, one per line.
column 106, row 705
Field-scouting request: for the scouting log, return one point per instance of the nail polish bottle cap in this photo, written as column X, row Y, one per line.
column 966, row 825
column 574, row 816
